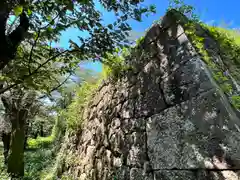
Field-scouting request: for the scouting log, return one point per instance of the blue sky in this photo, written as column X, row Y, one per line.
column 213, row 12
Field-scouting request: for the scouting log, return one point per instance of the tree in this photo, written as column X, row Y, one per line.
column 19, row 106
column 46, row 19
column 41, row 123
column 10, row 42
column 41, row 73
column 22, row 104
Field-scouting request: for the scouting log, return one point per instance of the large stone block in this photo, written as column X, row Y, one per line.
column 177, row 52
column 174, row 175
column 193, row 133
column 152, row 34
column 186, row 82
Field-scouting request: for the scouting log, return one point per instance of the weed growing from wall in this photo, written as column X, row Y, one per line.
column 115, row 65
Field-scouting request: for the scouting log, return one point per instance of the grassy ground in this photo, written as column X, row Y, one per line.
column 37, row 163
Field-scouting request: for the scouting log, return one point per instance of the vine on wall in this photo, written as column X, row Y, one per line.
column 229, row 50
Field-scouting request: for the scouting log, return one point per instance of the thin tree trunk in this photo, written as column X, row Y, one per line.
column 6, row 137
column 16, row 155
column 41, row 130
column 26, row 134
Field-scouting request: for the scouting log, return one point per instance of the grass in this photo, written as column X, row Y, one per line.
column 40, row 142
column 37, row 162
column 39, row 156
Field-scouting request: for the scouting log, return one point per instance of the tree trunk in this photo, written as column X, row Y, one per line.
column 26, row 134
column 9, row 43
column 6, row 137
column 16, row 156
column 41, row 130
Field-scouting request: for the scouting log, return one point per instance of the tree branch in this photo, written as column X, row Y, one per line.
column 53, row 20
column 47, row 61
column 33, row 72
column 31, row 52
column 63, row 82
column 15, row 37
column 58, row 86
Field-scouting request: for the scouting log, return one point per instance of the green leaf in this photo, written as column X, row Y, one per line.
column 29, row 12
column 35, row 35
column 49, row 18
column 52, row 22
column 18, row 10
column 49, row 29
column 152, row 8
column 110, row 26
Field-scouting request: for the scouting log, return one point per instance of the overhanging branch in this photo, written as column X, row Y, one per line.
column 57, row 87
column 32, row 73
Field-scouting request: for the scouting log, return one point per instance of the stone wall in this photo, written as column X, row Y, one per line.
column 167, row 119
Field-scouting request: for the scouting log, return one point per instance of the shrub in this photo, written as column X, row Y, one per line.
column 44, row 142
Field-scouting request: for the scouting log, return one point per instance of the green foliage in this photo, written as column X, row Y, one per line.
column 139, row 41
column 114, row 63
column 41, row 156
column 44, row 142
column 216, row 68
column 236, row 101
column 37, row 162
column 38, row 64
column 38, row 68
column 40, row 126
column 18, row 10
column 229, row 42
column 184, row 8
column 40, row 142
column 74, row 111
column 52, row 173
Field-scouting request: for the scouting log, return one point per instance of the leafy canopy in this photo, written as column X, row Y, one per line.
column 50, row 17
column 38, row 64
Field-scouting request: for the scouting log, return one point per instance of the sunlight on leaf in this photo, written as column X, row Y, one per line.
column 29, row 12
column 18, row 10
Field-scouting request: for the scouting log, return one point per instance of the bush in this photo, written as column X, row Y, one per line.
column 40, row 142
column 114, row 64
column 73, row 113
column 44, row 142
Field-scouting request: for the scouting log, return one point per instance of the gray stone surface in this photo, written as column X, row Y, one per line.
column 174, row 175
column 186, row 82
column 193, row 132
